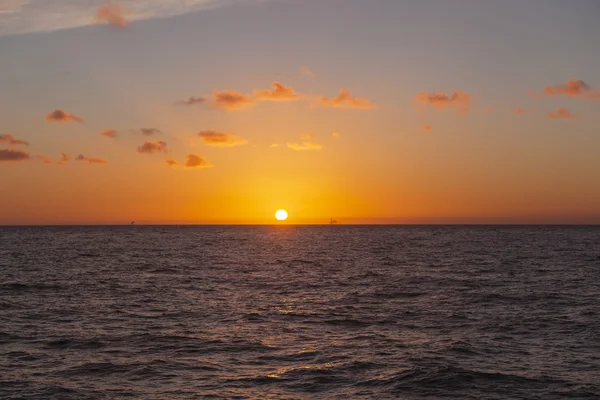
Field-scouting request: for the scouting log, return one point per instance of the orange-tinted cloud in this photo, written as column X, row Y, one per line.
column 280, row 92
column 427, row 128
column 304, row 70
column 562, row 113
column 336, row 134
column 305, row 146
column 275, row 145
column 232, row 100
column 91, row 160
column 109, row 133
column 43, row 159
column 223, row 139
column 8, row 155
column 440, row 101
column 171, row 163
column 10, row 140
column 64, row 159
column 519, row 111
column 307, row 136
column 195, row 161
column 572, row 88
column 191, row 101
column 344, row 99
column 152, row 147
column 62, row 116
column 112, row 13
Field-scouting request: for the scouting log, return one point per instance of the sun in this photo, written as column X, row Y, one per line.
column 281, row 215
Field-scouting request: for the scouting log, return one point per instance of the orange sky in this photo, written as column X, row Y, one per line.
column 226, row 114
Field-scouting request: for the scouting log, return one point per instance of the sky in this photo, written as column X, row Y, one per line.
column 224, row 111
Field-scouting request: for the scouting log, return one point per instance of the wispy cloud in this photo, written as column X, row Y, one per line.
column 458, row 100
column 109, row 133
column 10, row 140
column 91, row 160
column 150, row 131
column 64, row 159
column 12, row 6
column 280, row 92
column 427, row 128
column 519, row 111
column 191, row 101
column 23, row 16
column 307, row 136
column 43, row 159
column 221, row 139
column 196, row 161
column 232, row 100
column 345, row 99
column 63, row 116
column 572, row 88
column 304, row 70
column 336, row 134
column 152, row 147
column 112, row 13
column 171, row 162
column 305, row 146
column 562, row 113
column 9, row 155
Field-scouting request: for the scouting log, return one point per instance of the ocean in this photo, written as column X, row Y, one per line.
column 300, row 312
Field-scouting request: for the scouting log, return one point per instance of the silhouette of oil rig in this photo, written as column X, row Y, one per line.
column 332, row 221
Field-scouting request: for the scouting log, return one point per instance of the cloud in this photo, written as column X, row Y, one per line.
column 112, row 13
column 280, row 92
column 572, row 88
column 91, row 160
column 43, row 159
column 344, row 99
column 440, row 101
column 561, row 113
column 150, row 131
column 304, row 146
column 336, row 134
column 152, row 147
column 171, row 163
column 10, row 140
column 8, row 155
column 274, row 145
column 64, row 159
column 62, row 116
column 232, row 100
column 191, row 101
column 222, row 139
column 304, row 70
column 427, row 128
column 51, row 15
column 195, row 161
column 12, row 6
column 519, row 111
column 307, row 136
column 109, row 133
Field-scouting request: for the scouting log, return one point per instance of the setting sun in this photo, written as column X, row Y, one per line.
column 281, row 215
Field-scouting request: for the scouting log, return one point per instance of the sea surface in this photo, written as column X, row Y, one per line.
column 300, row 312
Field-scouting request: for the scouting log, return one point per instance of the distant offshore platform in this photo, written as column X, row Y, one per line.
column 332, row 221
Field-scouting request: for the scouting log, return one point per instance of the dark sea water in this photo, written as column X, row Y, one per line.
column 300, row 312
